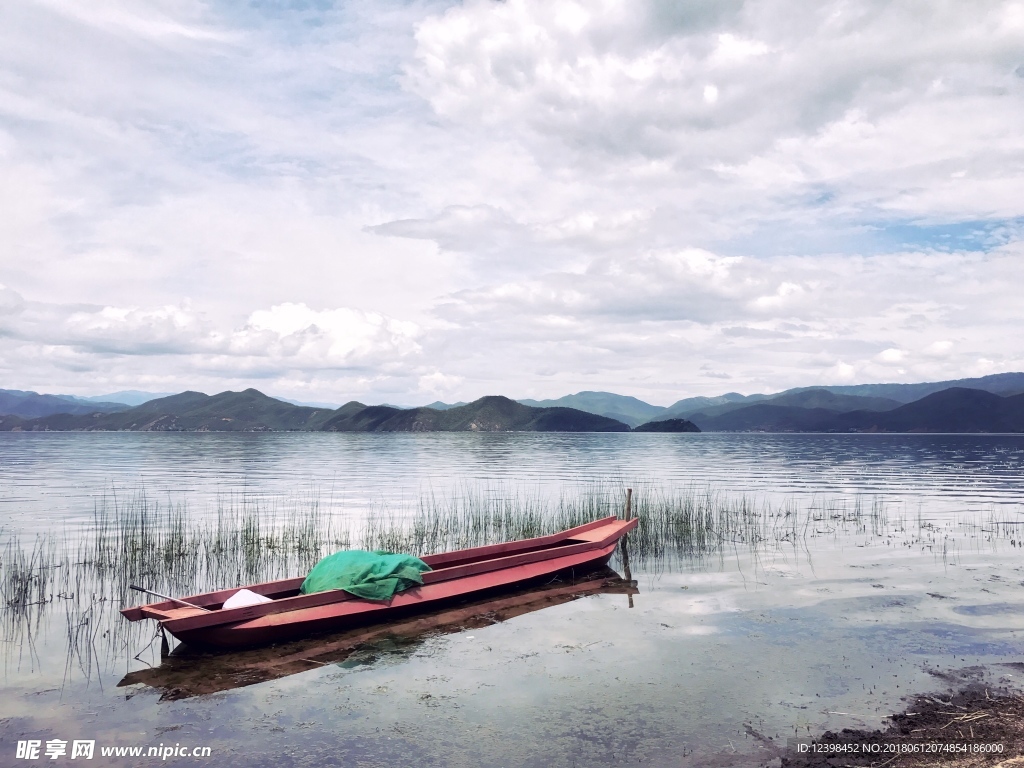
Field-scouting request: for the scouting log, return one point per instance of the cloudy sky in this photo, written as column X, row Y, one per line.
column 400, row 202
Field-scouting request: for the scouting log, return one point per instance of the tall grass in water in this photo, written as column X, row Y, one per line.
column 165, row 546
column 687, row 523
column 475, row 516
column 137, row 539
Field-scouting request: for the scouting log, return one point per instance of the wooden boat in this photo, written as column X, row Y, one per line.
column 290, row 615
column 188, row 671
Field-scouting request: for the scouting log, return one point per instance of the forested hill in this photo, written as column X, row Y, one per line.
column 951, row 410
column 956, row 409
column 252, row 411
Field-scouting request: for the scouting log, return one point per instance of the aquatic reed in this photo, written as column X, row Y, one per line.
column 166, row 546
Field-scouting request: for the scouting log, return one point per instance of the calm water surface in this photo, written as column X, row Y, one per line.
column 788, row 640
column 46, row 479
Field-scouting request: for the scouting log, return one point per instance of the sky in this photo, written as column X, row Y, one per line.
column 409, row 201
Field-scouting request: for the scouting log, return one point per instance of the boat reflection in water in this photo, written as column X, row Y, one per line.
column 190, row 672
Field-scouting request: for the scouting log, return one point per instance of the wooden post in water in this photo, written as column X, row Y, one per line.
column 624, row 543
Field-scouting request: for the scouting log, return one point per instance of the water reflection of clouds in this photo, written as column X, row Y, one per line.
column 696, row 605
column 792, row 613
column 50, row 478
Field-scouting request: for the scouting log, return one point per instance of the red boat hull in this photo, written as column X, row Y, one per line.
column 456, row 575
column 326, row 618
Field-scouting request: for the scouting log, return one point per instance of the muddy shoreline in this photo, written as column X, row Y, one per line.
column 972, row 724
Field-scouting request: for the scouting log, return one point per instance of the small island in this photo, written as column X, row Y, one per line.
column 668, row 425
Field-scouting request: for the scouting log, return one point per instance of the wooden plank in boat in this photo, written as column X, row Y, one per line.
column 164, row 614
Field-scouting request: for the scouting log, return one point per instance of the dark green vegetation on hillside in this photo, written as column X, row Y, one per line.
column 805, row 399
column 668, row 425
column 997, row 383
column 951, row 410
column 856, row 408
column 248, row 411
column 838, row 399
column 488, row 414
column 252, row 411
column 992, row 404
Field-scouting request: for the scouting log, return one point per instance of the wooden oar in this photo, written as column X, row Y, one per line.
column 165, row 597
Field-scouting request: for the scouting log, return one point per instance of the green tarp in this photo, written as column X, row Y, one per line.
column 371, row 575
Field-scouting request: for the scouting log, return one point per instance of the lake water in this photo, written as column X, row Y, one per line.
column 780, row 640
column 49, row 479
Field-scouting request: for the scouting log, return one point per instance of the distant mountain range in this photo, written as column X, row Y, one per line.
column 949, row 410
column 805, row 399
column 488, row 414
column 986, row 404
column 868, row 397
column 130, row 397
column 838, row 399
column 252, row 411
column 628, row 410
column 31, row 405
column 439, row 406
column 997, row 383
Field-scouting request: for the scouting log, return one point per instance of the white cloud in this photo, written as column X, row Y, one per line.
column 830, row 94
column 133, row 330
column 133, row 21
column 614, row 324
column 891, row 356
column 439, row 384
column 841, row 372
column 804, row 320
column 786, row 292
column 733, row 49
column 939, row 349
column 10, row 301
column 533, row 196
column 273, row 343
column 337, row 337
